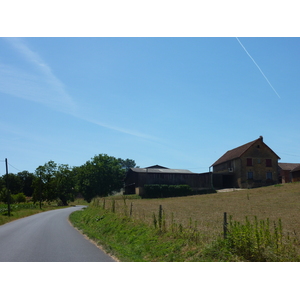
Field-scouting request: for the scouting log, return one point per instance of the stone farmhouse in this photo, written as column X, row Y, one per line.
column 251, row 165
column 248, row 166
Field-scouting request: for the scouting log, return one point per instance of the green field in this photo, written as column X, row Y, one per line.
column 191, row 228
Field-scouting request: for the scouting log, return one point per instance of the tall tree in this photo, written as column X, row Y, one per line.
column 27, row 180
column 65, row 183
column 100, row 176
column 53, row 182
column 127, row 164
column 15, row 183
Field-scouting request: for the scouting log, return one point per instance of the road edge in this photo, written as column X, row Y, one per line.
column 93, row 242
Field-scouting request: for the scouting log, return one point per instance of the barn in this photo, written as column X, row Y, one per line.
column 137, row 178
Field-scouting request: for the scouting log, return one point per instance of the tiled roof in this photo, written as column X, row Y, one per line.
column 234, row 153
column 237, row 152
column 288, row 166
column 296, row 169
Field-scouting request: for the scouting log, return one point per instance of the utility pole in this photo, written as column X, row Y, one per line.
column 7, row 188
column 40, row 190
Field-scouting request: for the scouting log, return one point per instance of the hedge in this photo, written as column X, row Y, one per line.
column 165, row 191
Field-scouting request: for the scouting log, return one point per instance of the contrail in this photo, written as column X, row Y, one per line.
column 258, row 67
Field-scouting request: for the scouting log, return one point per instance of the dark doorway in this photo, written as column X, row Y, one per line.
column 228, row 181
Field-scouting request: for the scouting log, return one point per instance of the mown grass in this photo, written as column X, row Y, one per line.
column 191, row 228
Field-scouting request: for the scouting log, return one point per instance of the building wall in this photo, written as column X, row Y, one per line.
column 231, row 171
column 139, row 191
column 296, row 176
column 242, row 169
column 131, row 182
column 285, row 176
column 168, row 178
column 135, row 181
column 264, row 161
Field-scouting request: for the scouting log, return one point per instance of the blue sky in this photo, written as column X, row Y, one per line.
column 176, row 102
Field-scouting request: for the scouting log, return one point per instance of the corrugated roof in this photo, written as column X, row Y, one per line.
column 237, row 152
column 156, row 167
column 152, row 170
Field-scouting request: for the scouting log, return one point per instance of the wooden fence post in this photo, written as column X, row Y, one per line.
column 130, row 209
column 160, row 216
column 225, row 225
column 113, row 206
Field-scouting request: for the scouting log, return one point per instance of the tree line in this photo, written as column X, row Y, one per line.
column 99, row 176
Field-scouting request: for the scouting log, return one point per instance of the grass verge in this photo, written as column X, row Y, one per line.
column 131, row 240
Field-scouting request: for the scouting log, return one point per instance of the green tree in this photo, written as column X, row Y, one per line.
column 15, row 184
column 4, row 194
column 65, row 183
column 100, row 176
column 52, row 182
column 44, row 187
column 27, row 180
column 127, row 164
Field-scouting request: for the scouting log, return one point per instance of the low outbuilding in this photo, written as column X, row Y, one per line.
column 137, row 178
column 288, row 172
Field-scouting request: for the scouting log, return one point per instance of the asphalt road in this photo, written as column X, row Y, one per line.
column 47, row 237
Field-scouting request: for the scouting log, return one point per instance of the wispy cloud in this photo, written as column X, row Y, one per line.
column 258, row 67
column 39, row 84
column 135, row 133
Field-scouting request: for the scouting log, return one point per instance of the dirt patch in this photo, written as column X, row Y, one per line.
column 228, row 190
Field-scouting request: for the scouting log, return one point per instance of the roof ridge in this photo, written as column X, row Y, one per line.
column 288, row 166
column 236, row 149
column 296, row 168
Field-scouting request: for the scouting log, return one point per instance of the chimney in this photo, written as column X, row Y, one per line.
column 261, row 137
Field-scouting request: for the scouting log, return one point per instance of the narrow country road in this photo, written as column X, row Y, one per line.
column 47, row 237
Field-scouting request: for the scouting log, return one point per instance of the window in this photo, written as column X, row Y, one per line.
column 269, row 175
column 249, row 162
column 268, row 162
column 250, row 175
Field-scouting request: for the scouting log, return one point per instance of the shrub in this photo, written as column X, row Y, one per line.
column 18, row 198
column 60, row 202
column 260, row 241
column 164, row 191
column 3, row 196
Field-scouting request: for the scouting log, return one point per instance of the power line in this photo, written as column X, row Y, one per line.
column 288, row 154
column 14, row 167
column 11, row 165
